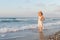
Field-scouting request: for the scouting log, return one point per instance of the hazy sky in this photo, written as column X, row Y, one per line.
column 29, row 8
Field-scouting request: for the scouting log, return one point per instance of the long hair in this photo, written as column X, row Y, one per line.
column 40, row 12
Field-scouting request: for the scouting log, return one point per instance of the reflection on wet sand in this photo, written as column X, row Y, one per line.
column 41, row 35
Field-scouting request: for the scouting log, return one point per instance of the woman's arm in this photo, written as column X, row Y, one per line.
column 42, row 18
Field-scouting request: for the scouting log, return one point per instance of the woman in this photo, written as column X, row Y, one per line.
column 40, row 21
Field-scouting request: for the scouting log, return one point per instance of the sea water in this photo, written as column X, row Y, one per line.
column 25, row 28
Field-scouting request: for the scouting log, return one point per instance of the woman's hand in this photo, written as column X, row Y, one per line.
column 42, row 18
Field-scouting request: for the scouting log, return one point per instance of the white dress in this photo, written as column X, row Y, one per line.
column 40, row 22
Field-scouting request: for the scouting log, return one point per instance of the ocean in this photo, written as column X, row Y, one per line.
column 25, row 28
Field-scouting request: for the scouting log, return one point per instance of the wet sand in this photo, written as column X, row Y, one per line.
column 46, row 34
column 55, row 36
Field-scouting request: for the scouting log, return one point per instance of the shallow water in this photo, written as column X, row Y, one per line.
column 26, row 28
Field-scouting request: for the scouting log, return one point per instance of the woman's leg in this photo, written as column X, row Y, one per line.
column 40, row 29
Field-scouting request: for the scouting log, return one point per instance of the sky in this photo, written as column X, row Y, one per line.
column 29, row 8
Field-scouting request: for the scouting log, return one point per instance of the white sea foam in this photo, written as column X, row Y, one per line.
column 54, row 23
column 14, row 29
column 5, row 29
column 51, row 25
